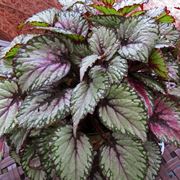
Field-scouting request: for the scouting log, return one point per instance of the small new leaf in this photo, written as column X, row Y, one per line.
column 157, row 63
column 10, row 51
column 128, row 9
column 160, row 14
column 166, row 18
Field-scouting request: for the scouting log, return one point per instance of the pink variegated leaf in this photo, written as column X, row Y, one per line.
column 165, row 121
column 144, row 94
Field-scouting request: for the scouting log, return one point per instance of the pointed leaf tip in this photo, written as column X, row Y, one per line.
column 86, row 96
column 157, row 63
column 86, row 63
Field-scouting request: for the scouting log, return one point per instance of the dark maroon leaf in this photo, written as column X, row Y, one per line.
column 144, row 94
column 165, row 121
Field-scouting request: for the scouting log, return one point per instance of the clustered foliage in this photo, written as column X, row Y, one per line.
column 92, row 94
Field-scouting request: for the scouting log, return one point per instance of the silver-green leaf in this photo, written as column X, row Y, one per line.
column 168, row 35
column 18, row 138
column 103, row 42
column 72, row 22
column 86, row 95
column 18, row 40
column 154, row 160
column 86, row 63
column 9, row 105
column 31, row 164
column 42, row 108
column 72, row 156
column 123, row 111
column 138, row 36
column 117, row 69
column 44, row 149
column 123, row 158
column 47, row 16
column 112, row 21
column 42, row 62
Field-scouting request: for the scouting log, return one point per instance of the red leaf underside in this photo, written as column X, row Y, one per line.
column 165, row 122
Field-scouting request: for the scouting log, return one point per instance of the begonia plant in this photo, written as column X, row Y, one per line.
column 93, row 93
